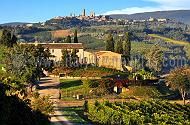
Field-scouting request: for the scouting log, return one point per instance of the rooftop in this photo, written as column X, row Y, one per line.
column 59, row 45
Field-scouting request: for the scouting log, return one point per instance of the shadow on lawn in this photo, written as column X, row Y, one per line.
column 70, row 83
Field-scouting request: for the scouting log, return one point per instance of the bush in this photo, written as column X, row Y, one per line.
column 42, row 104
column 138, row 113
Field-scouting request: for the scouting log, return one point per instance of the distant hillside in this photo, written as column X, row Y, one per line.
column 12, row 24
column 61, row 33
column 178, row 15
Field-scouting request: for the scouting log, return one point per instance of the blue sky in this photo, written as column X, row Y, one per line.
column 41, row 10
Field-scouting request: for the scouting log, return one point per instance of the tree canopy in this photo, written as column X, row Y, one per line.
column 110, row 43
column 179, row 79
column 7, row 38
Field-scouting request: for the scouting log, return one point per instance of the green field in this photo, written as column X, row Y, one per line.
column 140, row 47
column 177, row 42
column 169, row 40
column 70, row 88
column 143, row 47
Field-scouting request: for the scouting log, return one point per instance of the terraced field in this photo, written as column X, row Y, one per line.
column 169, row 40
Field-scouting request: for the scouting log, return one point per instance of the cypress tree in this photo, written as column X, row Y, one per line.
column 119, row 46
column 127, row 45
column 110, row 43
column 75, row 37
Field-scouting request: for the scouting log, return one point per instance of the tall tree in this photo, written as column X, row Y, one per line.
column 68, row 39
column 75, row 37
column 20, row 64
column 74, row 57
column 119, row 46
column 127, row 45
column 155, row 59
column 109, row 43
column 65, row 58
column 7, row 38
column 179, row 79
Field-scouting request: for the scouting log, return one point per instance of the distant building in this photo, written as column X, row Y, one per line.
column 162, row 20
column 151, row 19
column 29, row 25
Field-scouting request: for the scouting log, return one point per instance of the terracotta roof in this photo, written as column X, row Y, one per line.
column 60, row 45
column 63, row 46
column 103, row 52
column 100, row 53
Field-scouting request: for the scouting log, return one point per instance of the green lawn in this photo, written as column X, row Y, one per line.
column 71, row 88
column 71, row 85
column 75, row 115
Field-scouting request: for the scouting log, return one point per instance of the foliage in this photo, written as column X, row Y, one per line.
column 142, row 92
column 92, row 72
column 109, row 43
column 155, row 59
column 137, row 62
column 68, row 39
column 42, row 36
column 180, row 42
column 87, row 88
column 91, row 42
column 75, row 37
column 144, row 74
column 7, row 39
column 65, row 58
column 91, row 83
column 42, row 104
column 127, row 45
column 179, row 79
column 20, row 63
column 16, row 111
column 138, row 113
column 119, row 46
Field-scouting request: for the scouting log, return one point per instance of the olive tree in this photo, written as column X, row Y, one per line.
column 179, row 79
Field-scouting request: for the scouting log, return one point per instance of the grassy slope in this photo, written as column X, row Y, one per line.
column 169, row 40
column 70, row 88
column 91, row 42
column 184, row 43
column 61, row 33
column 140, row 47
